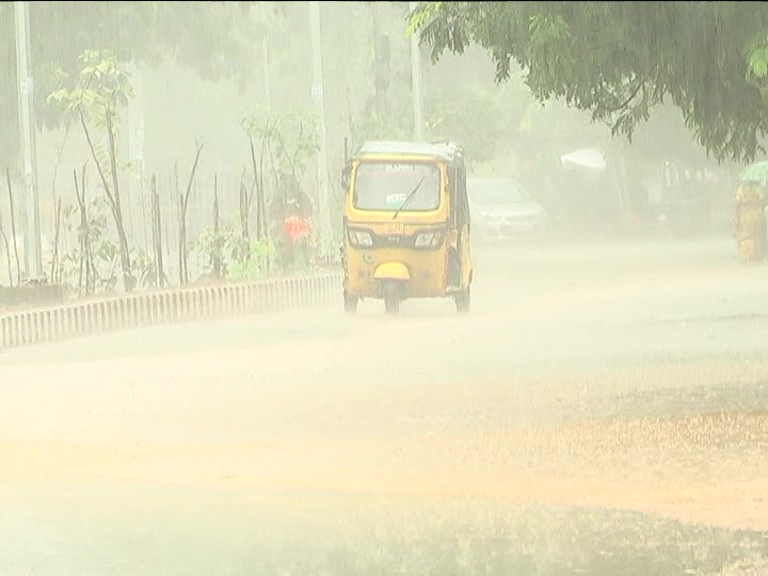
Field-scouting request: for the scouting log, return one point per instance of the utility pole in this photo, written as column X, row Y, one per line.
column 324, row 219
column 418, row 119
column 265, row 59
column 381, row 64
column 31, row 204
column 262, row 192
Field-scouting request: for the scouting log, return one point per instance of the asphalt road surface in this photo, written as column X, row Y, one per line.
column 602, row 410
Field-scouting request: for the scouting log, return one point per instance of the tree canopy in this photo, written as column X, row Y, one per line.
column 210, row 37
column 619, row 60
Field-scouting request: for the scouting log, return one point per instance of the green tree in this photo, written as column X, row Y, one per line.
column 94, row 97
column 213, row 38
column 619, row 60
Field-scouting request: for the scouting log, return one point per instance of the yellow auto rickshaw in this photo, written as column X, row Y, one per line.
column 406, row 224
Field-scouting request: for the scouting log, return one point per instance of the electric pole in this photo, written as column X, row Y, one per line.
column 418, row 120
column 31, row 204
column 265, row 60
column 381, row 64
column 324, row 220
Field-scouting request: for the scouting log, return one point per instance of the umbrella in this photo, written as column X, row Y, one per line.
column 585, row 158
column 757, row 172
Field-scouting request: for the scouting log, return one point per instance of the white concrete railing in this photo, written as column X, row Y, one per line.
column 163, row 307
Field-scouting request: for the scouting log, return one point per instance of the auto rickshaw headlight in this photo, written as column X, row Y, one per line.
column 360, row 238
column 429, row 239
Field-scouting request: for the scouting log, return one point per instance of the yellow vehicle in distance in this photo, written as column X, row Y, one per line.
column 406, row 224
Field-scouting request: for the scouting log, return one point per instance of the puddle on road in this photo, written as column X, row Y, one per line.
column 185, row 531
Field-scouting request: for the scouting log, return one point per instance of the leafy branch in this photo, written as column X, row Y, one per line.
column 100, row 88
column 709, row 60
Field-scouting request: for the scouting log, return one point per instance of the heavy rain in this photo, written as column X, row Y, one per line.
column 341, row 288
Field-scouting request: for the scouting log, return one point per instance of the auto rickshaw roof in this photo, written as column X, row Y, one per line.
column 448, row 151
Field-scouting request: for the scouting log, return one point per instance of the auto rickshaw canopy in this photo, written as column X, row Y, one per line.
column 447, row 151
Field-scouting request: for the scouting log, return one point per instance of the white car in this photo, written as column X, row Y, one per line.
column 502, row 209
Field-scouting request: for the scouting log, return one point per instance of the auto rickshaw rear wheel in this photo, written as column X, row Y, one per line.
column 462, row 300
column 350, row 303
column 392, row 298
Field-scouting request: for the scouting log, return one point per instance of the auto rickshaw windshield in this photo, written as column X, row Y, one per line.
column 385, row 186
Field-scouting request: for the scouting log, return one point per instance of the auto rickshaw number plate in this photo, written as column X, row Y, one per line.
column 394, row 229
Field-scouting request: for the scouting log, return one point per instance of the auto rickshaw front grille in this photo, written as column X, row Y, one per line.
column 399, row 240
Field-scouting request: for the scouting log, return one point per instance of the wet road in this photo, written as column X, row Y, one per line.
column 602, row 410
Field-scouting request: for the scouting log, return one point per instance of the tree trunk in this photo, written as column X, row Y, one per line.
column 56, row 236
column 7, row 247
column 85, row 272
column 125, row 255
column 245, row 208
column 216, row 256
column 182, row 224
column 13, row 227
column 114, row 200
column 262, row 224
column 157, row 233
column 184, row 201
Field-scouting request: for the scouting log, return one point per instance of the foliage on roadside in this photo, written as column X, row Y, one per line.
column 94, row 97
column 91, row 266
column 709, row 59
column 241, row 260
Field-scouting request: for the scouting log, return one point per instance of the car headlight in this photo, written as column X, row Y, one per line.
column 360, row 238
column 430, row 239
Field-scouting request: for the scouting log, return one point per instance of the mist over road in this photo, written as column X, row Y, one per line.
column 603, row 408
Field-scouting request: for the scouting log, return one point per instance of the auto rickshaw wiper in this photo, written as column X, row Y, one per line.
column 408, row 198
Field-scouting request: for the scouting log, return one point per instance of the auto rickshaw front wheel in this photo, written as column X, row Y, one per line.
column 462, row 300
column 392, row 298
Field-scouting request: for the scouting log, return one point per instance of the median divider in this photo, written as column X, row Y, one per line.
column 165, row 307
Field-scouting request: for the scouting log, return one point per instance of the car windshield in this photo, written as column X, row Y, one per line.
column 385, row 186
column 502, row 192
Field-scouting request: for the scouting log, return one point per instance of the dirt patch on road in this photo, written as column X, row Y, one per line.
column 706, row 469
